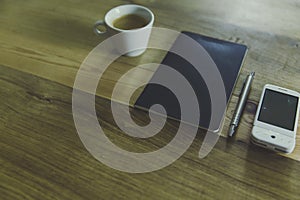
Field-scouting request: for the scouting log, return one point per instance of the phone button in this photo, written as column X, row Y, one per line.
column 272, row 134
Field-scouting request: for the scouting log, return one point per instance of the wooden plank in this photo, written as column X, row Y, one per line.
column 43, row 157
column 51, row 39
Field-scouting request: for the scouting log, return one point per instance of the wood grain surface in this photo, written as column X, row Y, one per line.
column 42, row 45
column 42, row 156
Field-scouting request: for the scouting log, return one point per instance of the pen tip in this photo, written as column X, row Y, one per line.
column 231, row 131
column 252, row 73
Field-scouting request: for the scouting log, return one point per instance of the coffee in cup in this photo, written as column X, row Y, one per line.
column 129, row 22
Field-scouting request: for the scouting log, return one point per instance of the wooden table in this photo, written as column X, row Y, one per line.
column 42, row 46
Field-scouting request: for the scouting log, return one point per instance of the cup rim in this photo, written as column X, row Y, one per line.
column 130, row 30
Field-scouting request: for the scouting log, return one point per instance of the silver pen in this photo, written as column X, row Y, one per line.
column 241, row 104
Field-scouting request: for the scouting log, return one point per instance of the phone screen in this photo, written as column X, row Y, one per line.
column 278, row 109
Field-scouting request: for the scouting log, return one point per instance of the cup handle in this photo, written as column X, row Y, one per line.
column 100, row 23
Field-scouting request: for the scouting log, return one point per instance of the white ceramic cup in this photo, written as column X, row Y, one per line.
column 133, row 41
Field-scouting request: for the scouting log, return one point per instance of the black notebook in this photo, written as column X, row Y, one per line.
column 227, row 56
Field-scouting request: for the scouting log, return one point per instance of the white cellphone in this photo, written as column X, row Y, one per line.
column 276, row 119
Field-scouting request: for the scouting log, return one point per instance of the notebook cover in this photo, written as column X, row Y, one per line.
column 228, row 57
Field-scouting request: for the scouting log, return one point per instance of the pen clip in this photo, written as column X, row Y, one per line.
column 243, row 87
